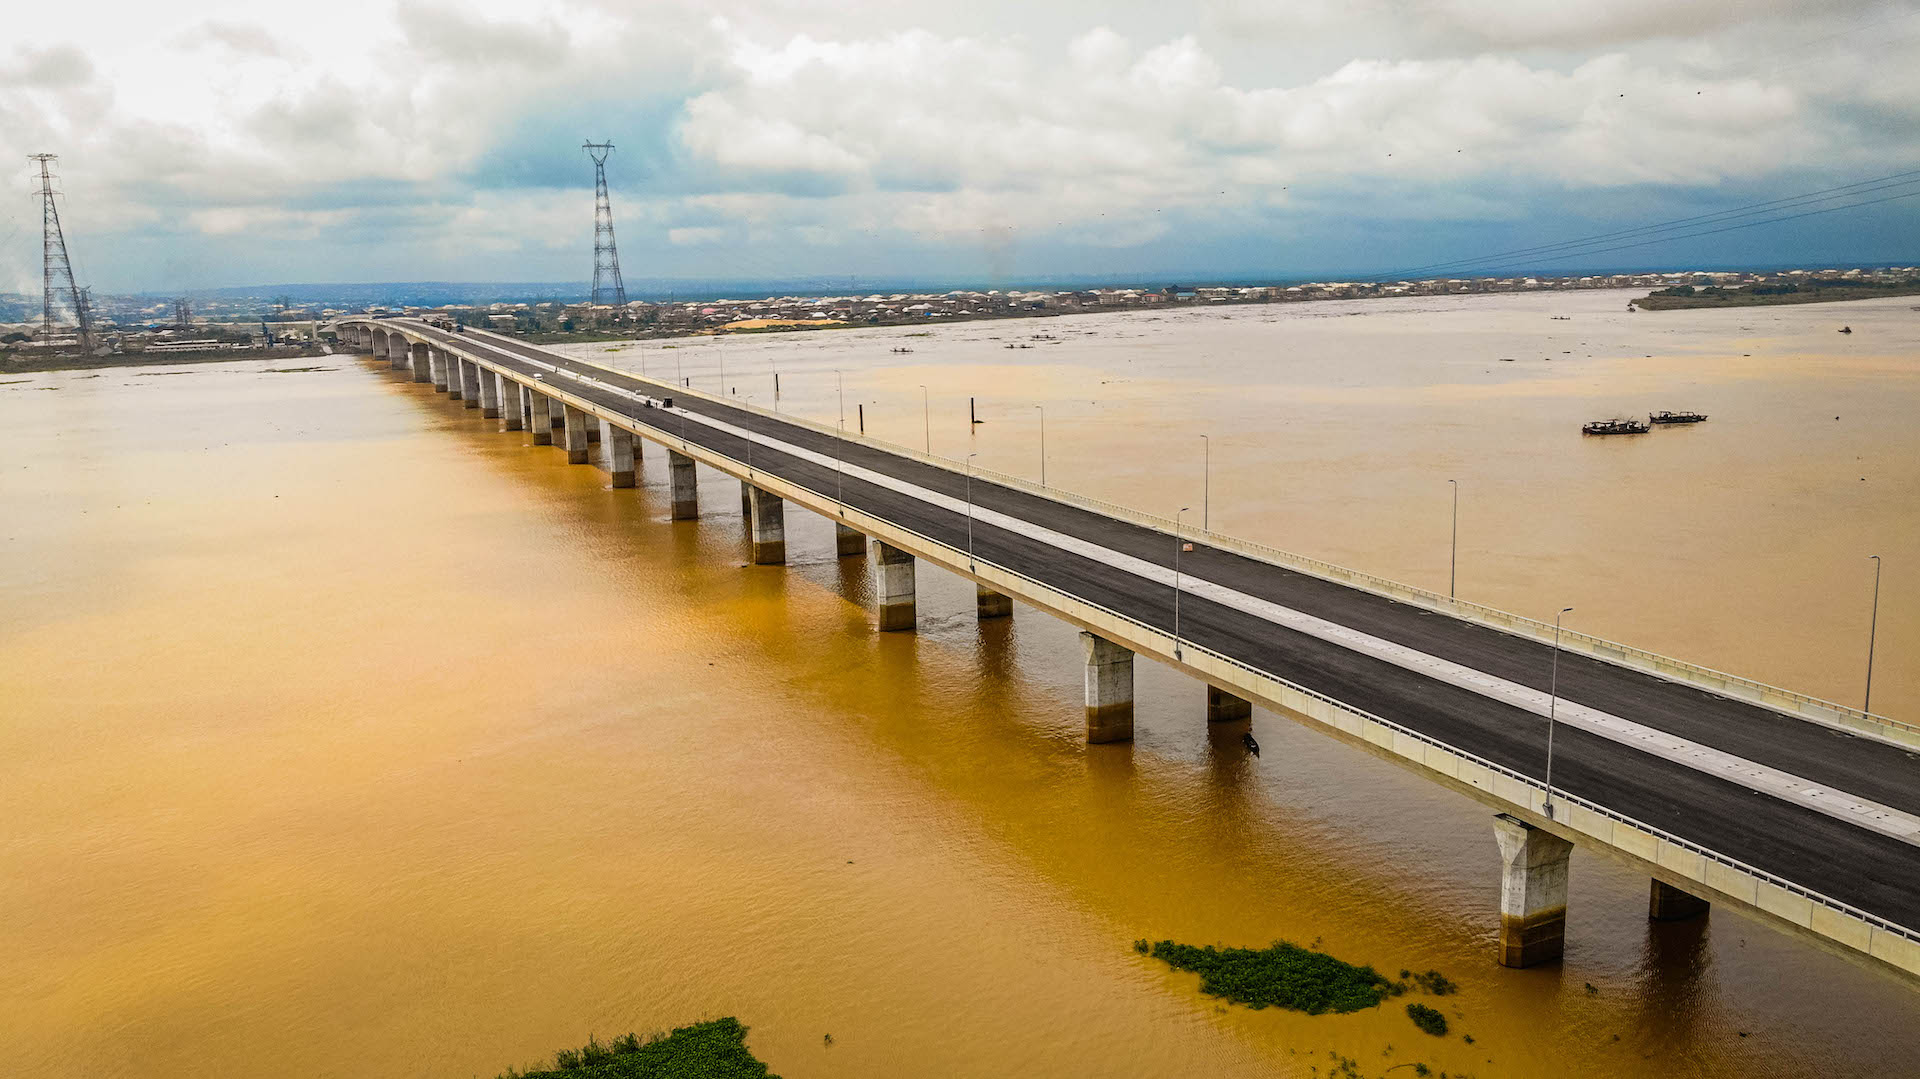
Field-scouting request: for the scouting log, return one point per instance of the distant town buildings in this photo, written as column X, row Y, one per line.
column 144, row 325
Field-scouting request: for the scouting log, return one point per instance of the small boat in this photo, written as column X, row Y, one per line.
column 1676, row 417
column 1615, row 427
column 1846, row 329
column 899, row 350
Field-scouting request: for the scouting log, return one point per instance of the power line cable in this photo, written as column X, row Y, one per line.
column 1750, row 224
column 1863, row 187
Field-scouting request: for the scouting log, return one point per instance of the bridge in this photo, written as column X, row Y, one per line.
column 1801, row 813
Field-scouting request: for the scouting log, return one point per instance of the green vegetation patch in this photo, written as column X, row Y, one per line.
column 716, row 1049
column 1282, row 976
column 1427, row 1019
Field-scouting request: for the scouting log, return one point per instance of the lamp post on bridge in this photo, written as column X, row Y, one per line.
column 1206, row 481
column 1453, row 560
column 926, row 417
column 1553, row 700
column 1873, row 626
column 1177, row 544
column 970, row 458
column 840, row 384
column 1043, row 444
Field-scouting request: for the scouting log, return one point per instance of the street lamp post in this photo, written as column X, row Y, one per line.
column 1873, row 627
column 926, row 417
column 1206, row 480
column 970, row 458
column 840, row 384
column 1453, row 560
column 1043, row 444
column 1553, row 700
column 1176, row 579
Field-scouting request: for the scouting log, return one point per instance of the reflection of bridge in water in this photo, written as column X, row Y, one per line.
column 1803, row 813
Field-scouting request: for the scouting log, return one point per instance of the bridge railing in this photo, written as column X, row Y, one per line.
column 1531, row 792
column 1776, row 698
column 1509, row 785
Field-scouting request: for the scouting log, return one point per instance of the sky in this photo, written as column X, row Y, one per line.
column 205, row 145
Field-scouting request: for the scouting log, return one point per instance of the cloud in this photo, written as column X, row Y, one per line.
column 808, row 136
column 54, row 67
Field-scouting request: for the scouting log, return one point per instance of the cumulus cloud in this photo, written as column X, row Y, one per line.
column 834, row 131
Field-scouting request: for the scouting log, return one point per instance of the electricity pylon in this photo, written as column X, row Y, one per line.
column 607, row 286
column 54, row 261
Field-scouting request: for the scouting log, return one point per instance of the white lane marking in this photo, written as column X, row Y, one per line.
column 1766, row 779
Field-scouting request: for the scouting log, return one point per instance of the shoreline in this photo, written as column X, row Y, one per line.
column 47, row 364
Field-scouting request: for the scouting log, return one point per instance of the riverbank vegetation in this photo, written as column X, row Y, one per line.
column 716, row 1049
column 24, row 362
column 1684, row 297
column 1282, row 976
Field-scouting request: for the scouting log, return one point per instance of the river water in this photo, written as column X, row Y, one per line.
column 345, row 735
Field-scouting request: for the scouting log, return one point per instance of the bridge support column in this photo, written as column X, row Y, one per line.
column 557, row 411
column 1109, row 690
column 990, row 604
column 620, row 456
column 576, row 436
column 489, row 395
column 893, row 590
column 512, row 408
column 685, row 484
column 848, row 542
column 456, row 376
column 1533, row 892
column 768, row 523
column 746, row 499
column 470, row 384
column 542, row 419
column 396, row 351
column 422, row 364
column 593, row 430
column 1223, row 706
column 1669, row 904
column 437, row 363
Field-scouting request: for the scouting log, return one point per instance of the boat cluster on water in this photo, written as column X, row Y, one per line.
column 1623, row 426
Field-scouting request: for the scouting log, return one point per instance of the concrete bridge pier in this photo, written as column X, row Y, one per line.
column 557, row 412
column 1109, row 690
column 1669, row 904
column 893, row 587
column 396, row 351
column 489, row 395
column 1533, row 892
column 685, row 485
column 990, row 604
column 422, row 362
column 576, row 436
column 437, row 363
column 470, row 384
column 593, row 430
column 746, row 499
column 767, row 520
column 542, row 419
column 456, row 377
column 513, row 408
column 1223, row 707
column 848, row 542
column 620, row 456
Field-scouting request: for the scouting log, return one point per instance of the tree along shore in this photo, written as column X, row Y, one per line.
column 1685, row 297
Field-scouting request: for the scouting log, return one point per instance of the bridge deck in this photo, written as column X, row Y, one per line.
column 1867, row 868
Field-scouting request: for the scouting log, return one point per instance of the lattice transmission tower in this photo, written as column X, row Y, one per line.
column 54, row 261
column 607, row 286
